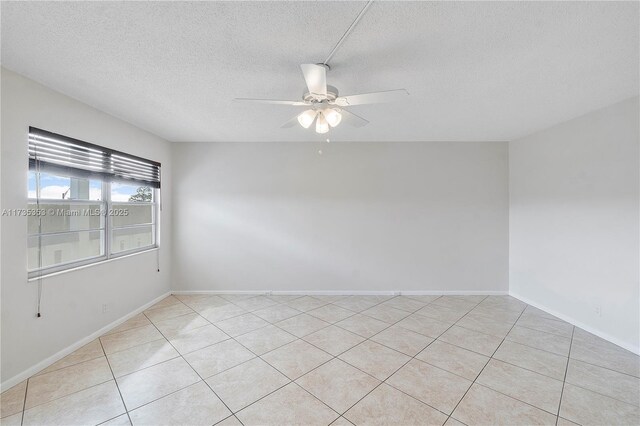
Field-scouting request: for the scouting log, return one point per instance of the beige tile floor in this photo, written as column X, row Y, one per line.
column 278, row 360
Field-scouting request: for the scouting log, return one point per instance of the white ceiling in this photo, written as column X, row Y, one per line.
column 475, row 71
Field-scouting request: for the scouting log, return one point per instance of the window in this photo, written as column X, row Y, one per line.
column 87, row 203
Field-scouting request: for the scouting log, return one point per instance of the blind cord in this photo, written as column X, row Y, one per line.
column 39, row 285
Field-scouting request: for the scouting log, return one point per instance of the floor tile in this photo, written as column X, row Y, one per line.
column 12, row 400
column 540, row 340
column 302, row 325
column 341, row 421
column 305, row 303
column 424, row 325
column 50, row 386
column 454, row 359
column 141, row 356
column 242, row 324
column 133, row 322
column 166, row 312
column 565, row 422
column 530, row 310
column 334, row 340
column 221, row 313
column 388, row 406
column 296, row 358
column 238, row 296
column 363, row 325
column 623, row 387
column 540, row 391
column 431, row 385
column 338, row 384
column 594, row 350
column 483, row 406
column 331, row 313
column 355, row 304
column 284, row 298
column 121, row 420
column 127, row 339
column 404, row 303
column 197, row 338
column 560, row 328
column 255, row 303
column 265, row 339
column 441, row 313
column 329, row 298
column 230, row 421
column 173, row 326
column 385, row 313
column 290, row 405
column 375, row 359
column 88, row 352
column 485, row 325
column 472, row 340
column 13, row 420
column 402, row 340
column 194, row 405
column 585, row 407
column 167, row 301
column 246, row 383
column 217, row 358
column 276, row 313
column 424, row 298
column 496, row 313
column 93, row 405
column 457, row 302
column 203, row 305
column 147, row 385
column 543, row 362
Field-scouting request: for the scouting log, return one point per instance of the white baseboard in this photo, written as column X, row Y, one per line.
column 347, row 292
column 77, row 345
column 579, row 324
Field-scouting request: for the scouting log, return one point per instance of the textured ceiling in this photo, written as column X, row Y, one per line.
column 475, row 70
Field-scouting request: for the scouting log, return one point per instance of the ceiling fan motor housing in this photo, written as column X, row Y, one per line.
column 332, row 94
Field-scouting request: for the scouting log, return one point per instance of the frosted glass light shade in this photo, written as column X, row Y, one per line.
column 332, row 116
column 306, row 118
column 321, row 124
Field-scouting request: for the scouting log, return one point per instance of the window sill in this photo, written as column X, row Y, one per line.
column 89, row 265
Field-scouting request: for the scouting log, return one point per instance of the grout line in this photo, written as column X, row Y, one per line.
column 384, row 299
column 564, row 381
column 481, row 370
column 187, row 362
column 116, row 383
column 385, row 380
column 24, row 401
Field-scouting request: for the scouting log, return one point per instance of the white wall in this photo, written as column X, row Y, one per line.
column 574, row 221
column 360, row 217
column 71, row 302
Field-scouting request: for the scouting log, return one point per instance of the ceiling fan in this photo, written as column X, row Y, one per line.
column 324, row 106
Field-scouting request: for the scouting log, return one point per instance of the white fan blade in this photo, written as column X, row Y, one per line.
column 353, row 119
column 372, row 98
column 291, row 122
column 316, row 78
column 271, row 101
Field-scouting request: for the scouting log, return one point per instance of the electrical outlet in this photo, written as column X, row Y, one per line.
column 598, row 310
column 105, row 308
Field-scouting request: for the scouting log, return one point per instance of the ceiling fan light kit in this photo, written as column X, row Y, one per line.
column 327, row 108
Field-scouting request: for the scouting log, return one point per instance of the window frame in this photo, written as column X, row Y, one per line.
column 106, row 205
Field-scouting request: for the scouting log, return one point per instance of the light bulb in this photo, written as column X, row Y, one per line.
column 333, row 117
column 306, row 118
column 321, row 124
